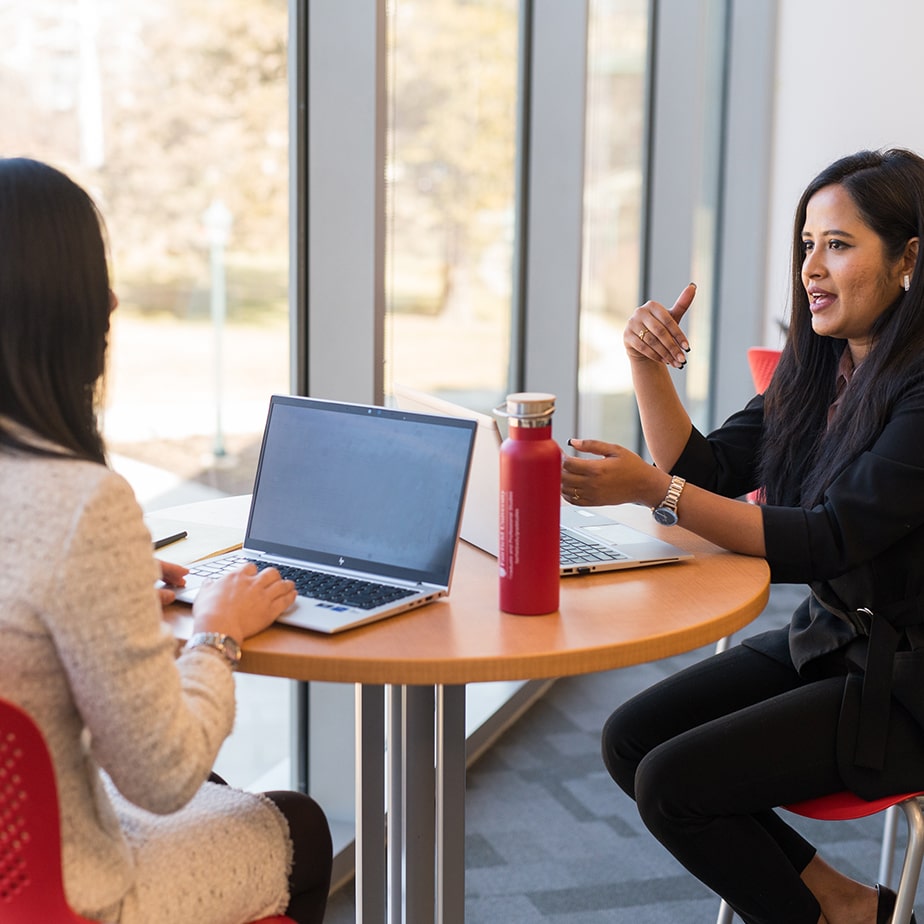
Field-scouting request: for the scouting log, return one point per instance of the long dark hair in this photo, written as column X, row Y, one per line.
column 54, row 309
column 801, row 455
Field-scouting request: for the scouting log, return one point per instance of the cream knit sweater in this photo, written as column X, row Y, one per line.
column 132, row 731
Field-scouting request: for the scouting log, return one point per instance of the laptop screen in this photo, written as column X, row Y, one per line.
column 366, row 488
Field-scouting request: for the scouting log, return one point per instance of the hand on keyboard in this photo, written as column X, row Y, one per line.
column 242, row 602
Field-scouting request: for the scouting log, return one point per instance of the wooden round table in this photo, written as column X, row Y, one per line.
column 604, row 621
column 425, row 657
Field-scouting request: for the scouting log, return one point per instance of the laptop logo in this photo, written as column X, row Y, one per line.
column 342, row 560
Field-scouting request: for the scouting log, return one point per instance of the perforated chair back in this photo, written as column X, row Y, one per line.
column 31, row 888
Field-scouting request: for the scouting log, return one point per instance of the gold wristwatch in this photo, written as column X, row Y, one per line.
column 666, row 512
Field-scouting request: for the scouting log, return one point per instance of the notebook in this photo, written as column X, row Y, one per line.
column 590, row 540
column 368, row 499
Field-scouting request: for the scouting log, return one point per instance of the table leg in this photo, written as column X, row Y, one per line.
column 415, row 850
column 370, row 886
column 300, row 694
column 395, row 803
column 450, row 804
column 426, row 805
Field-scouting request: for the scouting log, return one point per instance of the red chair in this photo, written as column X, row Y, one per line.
column 31, row 886
column 762, row 362
column 842, row 806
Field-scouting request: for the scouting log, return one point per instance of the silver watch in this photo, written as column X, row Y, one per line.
column 666, row 512
column 223, row 644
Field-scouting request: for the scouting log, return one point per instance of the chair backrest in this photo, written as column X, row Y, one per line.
column 762, row 362
column 31, row 887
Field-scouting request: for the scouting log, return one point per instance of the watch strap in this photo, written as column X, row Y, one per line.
column 672, row 498
column 223, row 644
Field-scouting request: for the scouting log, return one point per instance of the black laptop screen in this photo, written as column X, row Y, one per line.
column 364, row 488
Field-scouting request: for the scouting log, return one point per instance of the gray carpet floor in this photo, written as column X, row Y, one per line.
column 550, row 838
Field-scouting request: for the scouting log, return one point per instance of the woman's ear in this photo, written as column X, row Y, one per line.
column 910, row 258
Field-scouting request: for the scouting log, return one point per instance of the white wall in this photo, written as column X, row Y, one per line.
column 848, row 77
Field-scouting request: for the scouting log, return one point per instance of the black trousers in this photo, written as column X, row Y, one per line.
column 709, row 752
column 312, row 855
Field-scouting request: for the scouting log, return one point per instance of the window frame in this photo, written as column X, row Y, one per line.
column 337, row 66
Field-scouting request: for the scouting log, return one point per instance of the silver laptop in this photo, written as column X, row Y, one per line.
column 360, row 505
column 590, row 540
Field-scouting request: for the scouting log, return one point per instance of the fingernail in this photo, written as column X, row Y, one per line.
column 569, row 442
column 685, row 346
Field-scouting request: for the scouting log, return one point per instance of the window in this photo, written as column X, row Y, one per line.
column 174, row 116
column 613, row 205
column 450, row 167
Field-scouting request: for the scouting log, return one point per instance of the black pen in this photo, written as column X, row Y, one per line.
column 176, row 537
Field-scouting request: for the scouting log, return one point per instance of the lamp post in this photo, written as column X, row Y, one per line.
column 217, row 221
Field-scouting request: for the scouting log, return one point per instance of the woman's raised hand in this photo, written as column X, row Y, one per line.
column 653, row 332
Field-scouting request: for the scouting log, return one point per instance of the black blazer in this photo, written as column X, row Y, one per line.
column 861, row 551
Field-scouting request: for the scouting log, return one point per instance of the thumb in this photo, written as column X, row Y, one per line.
column 684, row 300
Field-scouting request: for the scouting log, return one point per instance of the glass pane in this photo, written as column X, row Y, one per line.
column 613, row 199
column 450, row 197
column 701, row 323
column 174, row 116
column 450, row 188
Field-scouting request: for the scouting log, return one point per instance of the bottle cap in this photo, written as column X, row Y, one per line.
column 530, row 408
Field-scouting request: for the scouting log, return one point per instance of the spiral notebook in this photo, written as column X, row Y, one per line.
column 360, row 505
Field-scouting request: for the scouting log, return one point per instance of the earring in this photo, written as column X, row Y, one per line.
column 906, row 282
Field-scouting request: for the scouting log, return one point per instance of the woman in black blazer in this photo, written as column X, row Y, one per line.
column 836, row 699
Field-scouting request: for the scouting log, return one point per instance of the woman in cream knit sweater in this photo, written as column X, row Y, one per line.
column 133, row 730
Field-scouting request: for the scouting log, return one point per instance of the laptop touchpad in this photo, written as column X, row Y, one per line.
column 615, row 534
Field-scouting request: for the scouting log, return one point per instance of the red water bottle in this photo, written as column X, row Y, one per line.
column 530, row 485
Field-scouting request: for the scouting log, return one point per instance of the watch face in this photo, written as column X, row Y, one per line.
column 665, row 516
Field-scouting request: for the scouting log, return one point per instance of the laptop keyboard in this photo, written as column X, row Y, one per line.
column 319, row 585
column 575, row 550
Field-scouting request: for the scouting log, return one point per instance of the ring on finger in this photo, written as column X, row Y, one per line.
column 643, row 334
column 575, row 495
